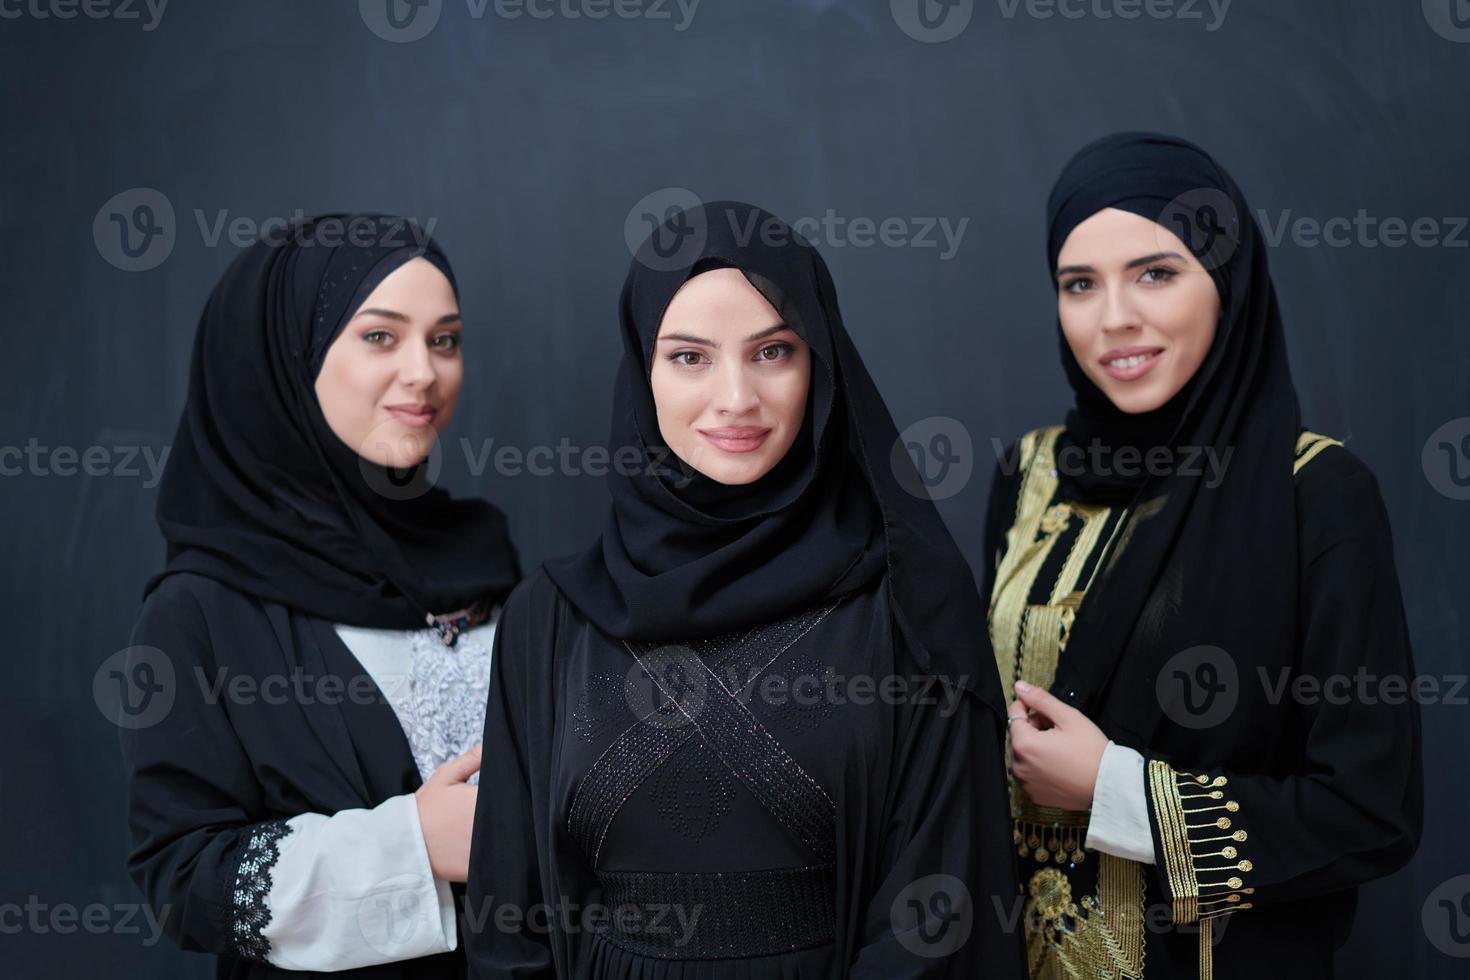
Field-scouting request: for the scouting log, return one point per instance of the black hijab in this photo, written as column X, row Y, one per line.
column 259, row 492
column 682, row 556
column 1214, row 564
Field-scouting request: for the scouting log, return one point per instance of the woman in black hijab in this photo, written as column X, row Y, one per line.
column 1185, row 585
column 312, row 661
column 745, row 734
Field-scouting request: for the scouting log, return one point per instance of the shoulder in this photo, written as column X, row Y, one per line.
column 186, row 614
column 187, row 598
column 1322, row 464
column 531, row 613
column 1337, row 496
column 534, row 594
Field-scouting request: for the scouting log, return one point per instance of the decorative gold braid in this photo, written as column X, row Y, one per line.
column 1024, row 554
column 1120, row 886
column 1178, row 862
column 1192, row 849
column 1308, row 446
column 1081, row 937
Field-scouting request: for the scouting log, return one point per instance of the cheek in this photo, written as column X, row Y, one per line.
column 1076, row 330
column 344, row 390
column 676, row 402
column 791, row 394
column 1191, row 329
column 450, row 381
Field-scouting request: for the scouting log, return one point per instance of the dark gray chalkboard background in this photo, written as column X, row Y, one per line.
column 530, row 141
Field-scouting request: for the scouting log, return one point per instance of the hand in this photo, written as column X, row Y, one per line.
column 447, row 814
column 1055, row 751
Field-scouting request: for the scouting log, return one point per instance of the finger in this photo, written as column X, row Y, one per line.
column 460, row 768
column 1044, row 703
column 1018, row 719
column 1016, row 710
column 1022, row 732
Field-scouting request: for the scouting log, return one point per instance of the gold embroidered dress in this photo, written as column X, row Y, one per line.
column 1086, row 912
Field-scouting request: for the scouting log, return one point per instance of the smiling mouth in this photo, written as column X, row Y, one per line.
column 412, row 415
column 1132, row 366
column 737, row 439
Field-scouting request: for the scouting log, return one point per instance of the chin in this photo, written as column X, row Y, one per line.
column 1134, row 405
column 409, row 449
column 737, row 476
column 1129, row 398
column 732, row 473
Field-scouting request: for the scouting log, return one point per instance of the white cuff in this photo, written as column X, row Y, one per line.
column 1119, row 821
column 355, row 889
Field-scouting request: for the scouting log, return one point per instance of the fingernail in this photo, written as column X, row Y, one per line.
column 1022, row 686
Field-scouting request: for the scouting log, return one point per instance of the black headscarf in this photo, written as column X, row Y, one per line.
column 1215, row 564
column 682, row 556
column 259, row 492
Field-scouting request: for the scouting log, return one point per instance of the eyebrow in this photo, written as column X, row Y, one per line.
column 391, row 315
column 688, row 338
column 1145, row 260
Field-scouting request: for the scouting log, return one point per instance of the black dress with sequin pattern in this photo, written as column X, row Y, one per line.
column 747, row 805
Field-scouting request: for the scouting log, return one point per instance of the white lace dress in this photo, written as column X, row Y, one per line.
column 354, row 888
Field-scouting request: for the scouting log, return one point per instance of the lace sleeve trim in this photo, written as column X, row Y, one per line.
column 248, row 912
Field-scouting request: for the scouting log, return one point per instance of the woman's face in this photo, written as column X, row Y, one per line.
column 390, row 381
column 729, row 378
column 1137, row 308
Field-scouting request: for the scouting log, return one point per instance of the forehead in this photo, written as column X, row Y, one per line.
column 716, row 301
column 1116, row 236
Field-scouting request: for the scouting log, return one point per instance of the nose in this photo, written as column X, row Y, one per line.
column 1118, row 312
column 415, row 366
column 735, row 393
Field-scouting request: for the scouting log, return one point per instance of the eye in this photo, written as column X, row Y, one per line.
column 1077, row 286
column 775, row 352
column 1158, row 274
column 447, row 342
column 686, row 358
column 378, row 338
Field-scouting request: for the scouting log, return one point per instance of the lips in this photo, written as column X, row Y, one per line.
column 1130, row 363
column 737, row 438
column 416, row 415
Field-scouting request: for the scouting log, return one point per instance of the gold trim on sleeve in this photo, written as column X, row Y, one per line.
column 1198, row 838
column 1308, row 446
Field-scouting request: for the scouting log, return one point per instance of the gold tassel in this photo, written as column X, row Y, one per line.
column 1206, row 951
